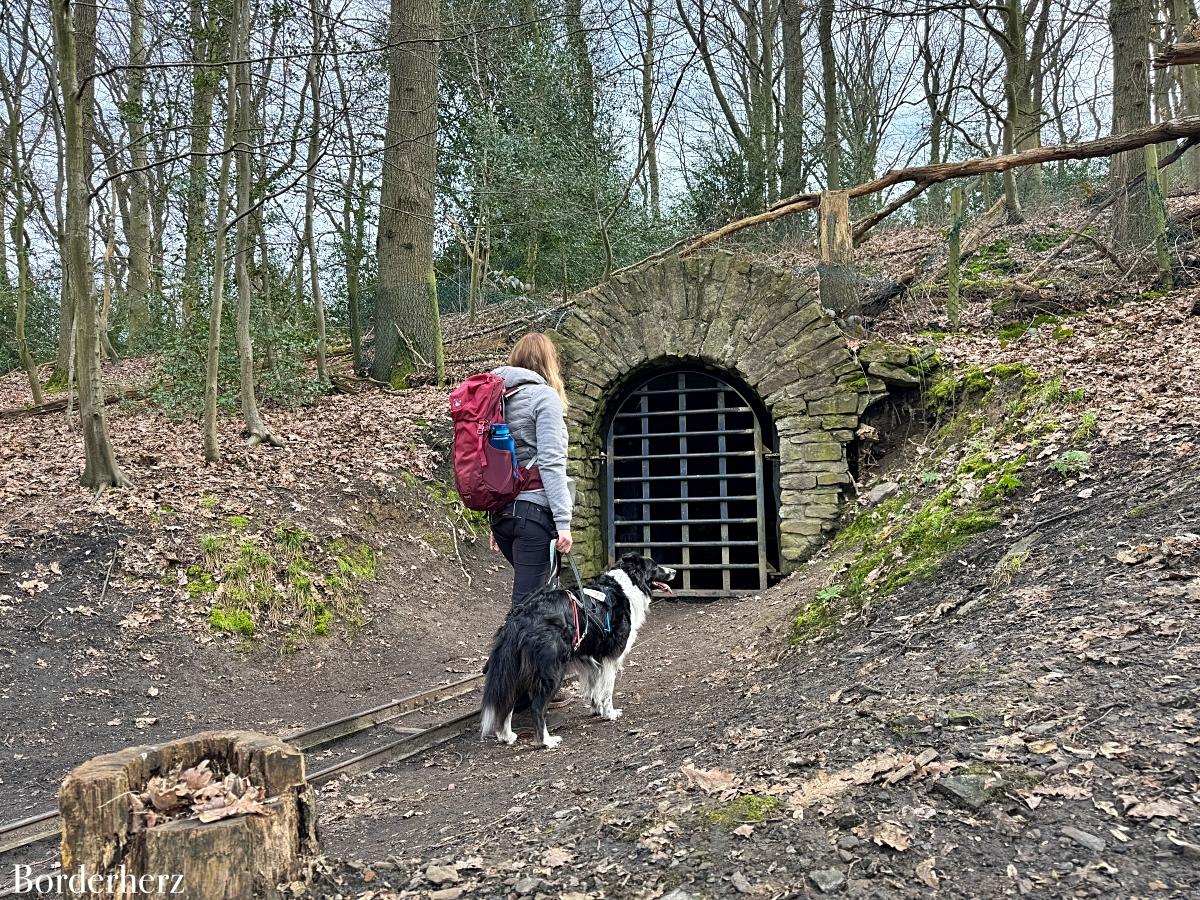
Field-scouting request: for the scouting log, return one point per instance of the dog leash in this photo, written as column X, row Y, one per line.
column 576, row 601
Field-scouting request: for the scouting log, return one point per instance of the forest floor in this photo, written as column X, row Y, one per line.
column 1018, row 717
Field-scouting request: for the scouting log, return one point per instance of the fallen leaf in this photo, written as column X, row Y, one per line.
column 1152, row 809
column 926, row 873
column 885, row 834
column 711, row 781
column 556, row 856
column 744, row 831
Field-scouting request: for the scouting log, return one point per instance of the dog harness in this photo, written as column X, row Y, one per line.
column 581, row 601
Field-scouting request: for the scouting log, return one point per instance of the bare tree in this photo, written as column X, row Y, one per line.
column 100, row 461
column 13, row 83
column 138, row 231
column 831, row 138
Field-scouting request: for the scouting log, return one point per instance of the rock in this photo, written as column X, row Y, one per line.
column 879, row 493
column 848, row 842
column 893, row 374
column 677, row 894
column 970, row 791
column 446, row 894
column 1084, row 839
column 527, row 885
column 962, row 717
column 436, row 874
column 741, row 884
column 827, row 880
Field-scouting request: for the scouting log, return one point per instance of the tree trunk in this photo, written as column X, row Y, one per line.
column 212, row 446
column 953, row 310
column 20, row 240
column 830, row 138
column 100, row 462
column 766, row 100
column 310, row 193
column 138, row 235
column 649, row 138
column 406, row 323
column 204, row 87
column 1181, row 15
column 1129, row 21
column 577, row 41
column 256, row 430
column 1157, row 210
column 792, row 124
column 106, row 289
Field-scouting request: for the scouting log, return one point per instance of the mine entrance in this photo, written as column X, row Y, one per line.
column 691, row 480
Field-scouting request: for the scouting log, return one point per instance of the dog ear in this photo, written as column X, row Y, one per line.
column 631, row 558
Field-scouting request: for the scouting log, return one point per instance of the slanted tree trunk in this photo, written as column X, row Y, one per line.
column 256, row 430
column 406, row 325
column 138, row 236
column 1129, row 21
column 100, row 460
column 204, row 88
column 831, row 138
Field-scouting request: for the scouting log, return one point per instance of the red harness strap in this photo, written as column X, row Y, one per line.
column 575, row 613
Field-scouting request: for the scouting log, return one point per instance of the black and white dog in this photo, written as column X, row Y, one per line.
column 551, row 632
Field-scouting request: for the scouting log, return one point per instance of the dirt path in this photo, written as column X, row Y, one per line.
column 977, row 736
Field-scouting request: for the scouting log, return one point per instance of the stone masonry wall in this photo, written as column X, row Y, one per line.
column 750, row 319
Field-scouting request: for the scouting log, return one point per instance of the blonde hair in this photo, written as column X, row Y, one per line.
column 537, row 353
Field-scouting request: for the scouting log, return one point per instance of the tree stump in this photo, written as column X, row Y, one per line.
column 241, row 856
column 839, row 284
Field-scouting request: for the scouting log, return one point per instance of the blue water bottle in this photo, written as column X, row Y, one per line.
column 502, row 439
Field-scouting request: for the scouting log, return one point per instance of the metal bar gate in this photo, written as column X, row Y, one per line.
column 685, row 483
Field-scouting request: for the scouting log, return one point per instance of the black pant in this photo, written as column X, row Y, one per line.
column 524, row 531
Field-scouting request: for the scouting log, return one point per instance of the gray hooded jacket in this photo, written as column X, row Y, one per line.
column 535, row 418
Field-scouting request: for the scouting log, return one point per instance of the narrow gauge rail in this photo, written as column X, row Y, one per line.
column 44, row 825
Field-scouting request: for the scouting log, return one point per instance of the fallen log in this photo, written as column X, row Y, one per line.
column 1185, row 53
column 60, row 403
column 1187, row 127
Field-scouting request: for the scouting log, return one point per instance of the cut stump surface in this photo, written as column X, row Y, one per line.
column 243, row 856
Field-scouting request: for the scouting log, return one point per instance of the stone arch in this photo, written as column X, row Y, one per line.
column 755, row 321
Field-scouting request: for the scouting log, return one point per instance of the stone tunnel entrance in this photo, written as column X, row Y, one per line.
column 691, row 478
column 713, row 373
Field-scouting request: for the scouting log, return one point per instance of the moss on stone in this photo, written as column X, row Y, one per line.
column 237, row 621
column 746, row 809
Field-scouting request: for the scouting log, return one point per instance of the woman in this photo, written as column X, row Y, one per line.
column 523, row 530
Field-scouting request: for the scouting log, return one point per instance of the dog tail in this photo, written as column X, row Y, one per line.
column 499, row 686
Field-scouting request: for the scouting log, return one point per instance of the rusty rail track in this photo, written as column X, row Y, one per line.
column 414, row 741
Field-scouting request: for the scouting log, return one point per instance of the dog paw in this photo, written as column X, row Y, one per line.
column 613, row 714
column 510, row 738
column 551, row 741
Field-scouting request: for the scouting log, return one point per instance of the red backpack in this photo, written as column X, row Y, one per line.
column 487, row 477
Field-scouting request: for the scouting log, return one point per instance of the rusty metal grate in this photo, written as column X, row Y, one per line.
column 685, row 483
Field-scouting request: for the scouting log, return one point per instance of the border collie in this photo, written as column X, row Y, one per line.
column 548, row 633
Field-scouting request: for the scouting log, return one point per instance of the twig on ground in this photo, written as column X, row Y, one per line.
column 461, row 564
column 107, row 577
